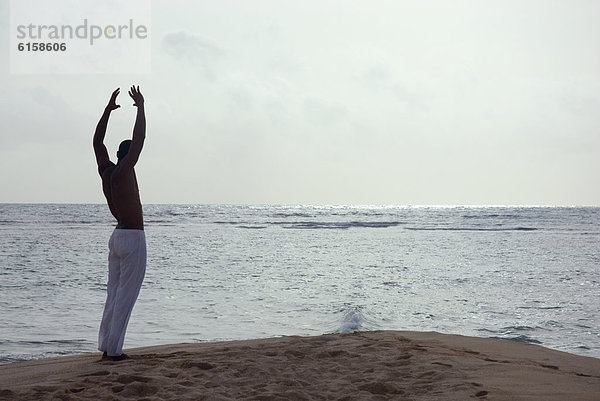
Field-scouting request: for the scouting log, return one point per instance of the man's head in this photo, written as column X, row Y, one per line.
column 123, row 149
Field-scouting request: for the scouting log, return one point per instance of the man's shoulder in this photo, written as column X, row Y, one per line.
column 106, row 168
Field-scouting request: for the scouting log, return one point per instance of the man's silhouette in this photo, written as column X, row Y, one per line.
column 127, row 245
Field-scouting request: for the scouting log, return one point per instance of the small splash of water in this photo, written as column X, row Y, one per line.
column 352, row 321
column 354, row 318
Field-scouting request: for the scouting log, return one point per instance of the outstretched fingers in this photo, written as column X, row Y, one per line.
column 136, row 95
column 114, row 95
column 113, row 99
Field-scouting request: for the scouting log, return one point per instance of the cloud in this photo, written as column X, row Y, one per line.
column 579, row 104
column 377, row 77
column 35, row 114
column 380, row 80
column 409, row 97
column 189, row 47
column 323, row 112
column 48, row 100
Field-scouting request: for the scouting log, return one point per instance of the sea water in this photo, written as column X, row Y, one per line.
column 225, row 272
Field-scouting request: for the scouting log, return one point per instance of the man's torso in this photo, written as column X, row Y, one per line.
column 120, row 188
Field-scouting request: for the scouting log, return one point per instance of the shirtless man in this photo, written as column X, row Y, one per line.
column 127, row 245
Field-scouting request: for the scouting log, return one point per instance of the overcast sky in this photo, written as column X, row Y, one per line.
column 329, row 102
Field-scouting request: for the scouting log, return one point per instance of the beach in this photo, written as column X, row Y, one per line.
column 377, row 365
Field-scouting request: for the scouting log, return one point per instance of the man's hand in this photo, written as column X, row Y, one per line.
column 136, row 95
column 112, row 103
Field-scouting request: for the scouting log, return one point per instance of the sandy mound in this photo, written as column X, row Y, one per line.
column 384, row 365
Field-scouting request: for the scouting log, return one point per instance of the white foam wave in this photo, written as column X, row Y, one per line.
column 354, row 319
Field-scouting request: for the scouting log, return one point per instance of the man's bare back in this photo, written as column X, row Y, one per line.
column 123, row 197
column 119, row 182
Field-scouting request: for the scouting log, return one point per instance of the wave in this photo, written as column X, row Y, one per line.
column 509, row 329
column 345, row 225
column 491, row 216
column 540, row 307
column 520, row 339
column 311, row 225
column 354, row 318
column 8, row 222
column 292, row 214
column 511, row 333
column 47, row 342
column 340, row 225
column 352, row 321
column 32, row 349
column 471, row 229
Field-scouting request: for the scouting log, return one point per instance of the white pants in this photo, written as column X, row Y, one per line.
column 126, row 270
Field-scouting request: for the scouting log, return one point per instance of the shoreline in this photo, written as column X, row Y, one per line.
column 363, row 365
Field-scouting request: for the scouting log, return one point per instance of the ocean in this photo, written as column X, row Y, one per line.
column 227, row 272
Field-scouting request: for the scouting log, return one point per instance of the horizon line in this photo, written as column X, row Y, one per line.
column 372, row 205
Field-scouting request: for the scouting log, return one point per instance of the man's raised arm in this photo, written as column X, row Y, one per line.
column 99, row 148
column 139, row 129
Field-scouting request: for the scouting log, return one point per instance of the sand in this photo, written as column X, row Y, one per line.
column 381, row 365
